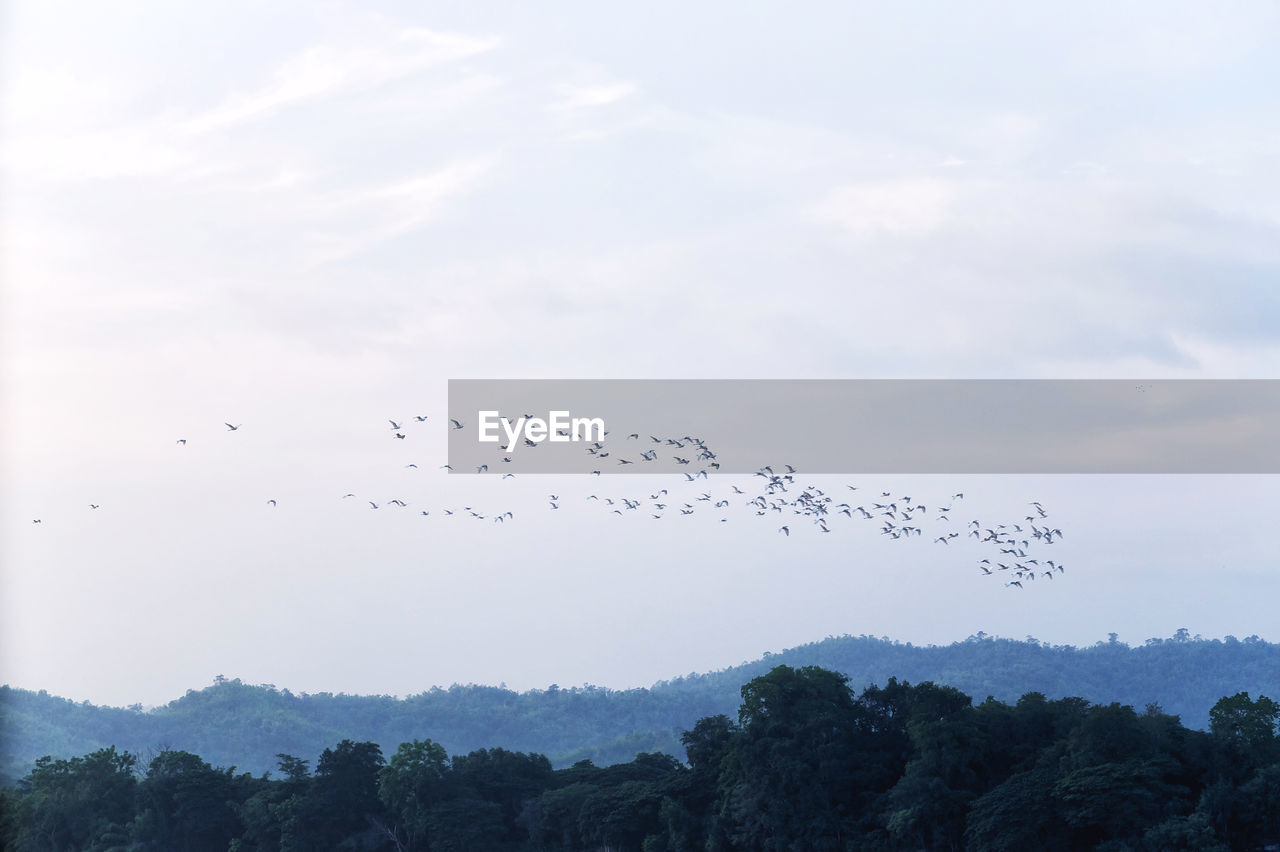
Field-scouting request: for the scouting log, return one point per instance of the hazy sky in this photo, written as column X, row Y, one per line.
column 306, row 218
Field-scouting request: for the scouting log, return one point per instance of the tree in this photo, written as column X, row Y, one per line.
column 75, row 804
column 344, row 804
column 270, row 805
column 1248, row 726
column 787, row 779
column 186, row 805
column 1018, row 814
column 927, row 806
column 508, row 778
column 409, row 785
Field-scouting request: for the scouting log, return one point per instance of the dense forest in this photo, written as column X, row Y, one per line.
column 806, row 765
column 235, row 724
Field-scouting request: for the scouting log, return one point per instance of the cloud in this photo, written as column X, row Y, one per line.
column 1182, row 40
column 908, row 207
column 327, row 70
column 127, row 151
column 582, row 97
column 369, row 216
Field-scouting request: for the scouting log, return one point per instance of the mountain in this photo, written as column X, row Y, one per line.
column 231, row 723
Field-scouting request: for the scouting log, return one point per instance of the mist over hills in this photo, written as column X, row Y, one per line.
column 231, row 723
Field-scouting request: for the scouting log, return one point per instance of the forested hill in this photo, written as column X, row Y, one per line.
column 234, row 724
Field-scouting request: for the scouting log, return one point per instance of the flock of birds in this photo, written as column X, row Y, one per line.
column 1015, row 547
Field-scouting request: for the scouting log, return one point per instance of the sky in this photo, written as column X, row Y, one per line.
column 304, row 219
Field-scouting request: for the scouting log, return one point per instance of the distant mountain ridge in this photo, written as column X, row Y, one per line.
column 234, row 724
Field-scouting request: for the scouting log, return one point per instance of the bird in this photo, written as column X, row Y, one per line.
column 182, row 441
column 456, row 424
column 93, row 505
column 271, row 502
column 230, row 427
column 421, row 418
column 785, row 530
column 395, row 427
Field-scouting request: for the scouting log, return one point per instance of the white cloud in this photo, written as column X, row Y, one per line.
column 327, row 70
column 908, row 207
column 580, row 97
column 1178, row 41
column 126, row 151
column 365, row 217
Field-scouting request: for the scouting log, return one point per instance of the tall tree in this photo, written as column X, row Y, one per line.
column 74, row 804
column 786, row 782
column 409, row 785
column 185, row 805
